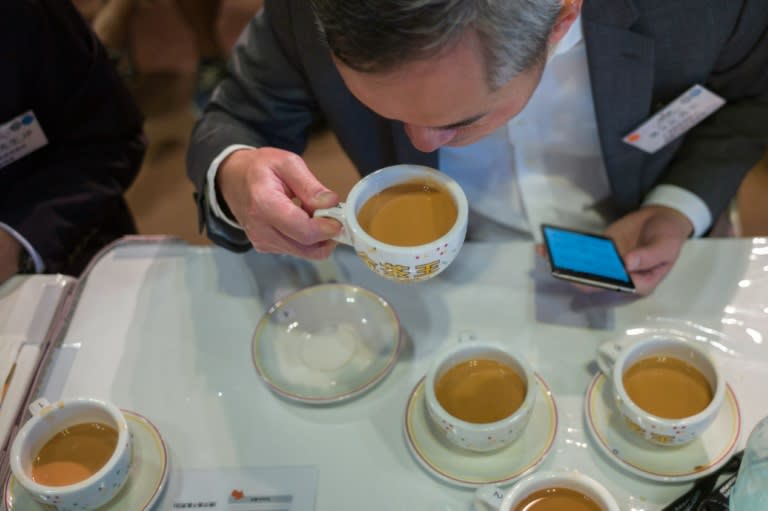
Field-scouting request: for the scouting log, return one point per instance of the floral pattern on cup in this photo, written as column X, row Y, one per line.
column 425, row 267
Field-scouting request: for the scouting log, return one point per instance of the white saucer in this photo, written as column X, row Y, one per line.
column 326, row 343
column 144, row 486
column 664, row 464
column 468, row 469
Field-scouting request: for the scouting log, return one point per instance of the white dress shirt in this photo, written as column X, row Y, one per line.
column 544, row 165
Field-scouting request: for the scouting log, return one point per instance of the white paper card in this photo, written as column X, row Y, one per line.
column 685, row 112
column 244, row 489
column 19, row 137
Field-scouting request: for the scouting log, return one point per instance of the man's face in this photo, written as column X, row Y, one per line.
column 445, row 100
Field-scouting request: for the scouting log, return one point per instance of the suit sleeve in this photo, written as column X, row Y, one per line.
column 60, row 196
column 264, row 101
column 716, row 155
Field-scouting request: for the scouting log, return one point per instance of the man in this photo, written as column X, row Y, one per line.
column 70, row 141
column 435, row 82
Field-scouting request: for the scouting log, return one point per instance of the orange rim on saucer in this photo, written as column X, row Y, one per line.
column 468, row 469
column 702, row 456
column 356, row 380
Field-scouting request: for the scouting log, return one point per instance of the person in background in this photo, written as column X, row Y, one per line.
column 70, row 141
column 526, row 103
column 129, row 29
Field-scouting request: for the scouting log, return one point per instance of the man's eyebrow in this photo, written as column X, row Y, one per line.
column 461, row 123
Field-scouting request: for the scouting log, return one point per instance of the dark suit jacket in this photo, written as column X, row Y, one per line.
column 642, row 54
column 66, row 198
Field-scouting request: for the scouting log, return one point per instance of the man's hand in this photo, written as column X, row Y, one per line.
column 260, row 187
column 10, row 252
column 649, row 241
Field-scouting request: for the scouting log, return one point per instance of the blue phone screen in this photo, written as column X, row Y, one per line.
column 585, row 254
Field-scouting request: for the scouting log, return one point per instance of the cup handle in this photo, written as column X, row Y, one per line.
column 607, row 354
column 488, row 498
column 37, row 406
column 338, row 214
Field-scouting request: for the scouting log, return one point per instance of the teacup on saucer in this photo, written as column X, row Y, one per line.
column 687, row 462
column 471, row 469
column 326, row 343
column 143, row 487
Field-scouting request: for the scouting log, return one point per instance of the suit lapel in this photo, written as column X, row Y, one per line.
column 621, row 71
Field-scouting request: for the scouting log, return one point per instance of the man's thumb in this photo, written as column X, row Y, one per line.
column 323, row 199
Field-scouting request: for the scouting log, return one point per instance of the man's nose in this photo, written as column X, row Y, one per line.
column 428, row 139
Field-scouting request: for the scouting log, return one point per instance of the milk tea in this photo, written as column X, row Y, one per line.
column 557, row 499
column 409, row 214
column 480, row 391
column 667, row 387
column 74, row 454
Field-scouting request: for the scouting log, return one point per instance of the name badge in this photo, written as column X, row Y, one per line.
column 685, row 112
column 19, row 137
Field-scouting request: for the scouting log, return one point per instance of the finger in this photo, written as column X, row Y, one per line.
column 293, row 222
column 320, row 250
column 274, row 242
column 650, row 255
column 311, row 192
column 539, row 247
column 646, row 281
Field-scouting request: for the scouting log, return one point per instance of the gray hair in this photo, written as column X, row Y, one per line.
column 379, row 35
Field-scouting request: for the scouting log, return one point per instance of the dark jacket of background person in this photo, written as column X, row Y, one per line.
column 66, row 198
column 642, row 54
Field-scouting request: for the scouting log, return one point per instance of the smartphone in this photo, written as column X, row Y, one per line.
column 586, row 258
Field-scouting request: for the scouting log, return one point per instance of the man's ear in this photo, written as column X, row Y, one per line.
column 568, row 14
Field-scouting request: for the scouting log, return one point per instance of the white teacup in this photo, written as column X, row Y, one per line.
column 480, row 437
column 615, row 357
column 393, row 262
column 492, row 498
column 48, row 420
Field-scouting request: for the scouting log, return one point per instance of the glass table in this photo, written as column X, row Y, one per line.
column 164, row 328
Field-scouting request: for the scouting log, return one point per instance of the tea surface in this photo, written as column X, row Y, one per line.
column 667, row 387
column 74, row 454
column 480, row 391
column 409, row 214
column 557, row 499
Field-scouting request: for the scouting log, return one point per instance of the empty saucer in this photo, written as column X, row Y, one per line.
column 681, row 463
column 326, row 343
column 471, row 469
column 145, row 484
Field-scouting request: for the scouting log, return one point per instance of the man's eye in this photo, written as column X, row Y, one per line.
column 457, row 128
column 465, row 127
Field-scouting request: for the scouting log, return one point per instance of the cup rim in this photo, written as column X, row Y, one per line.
column 617, row 379
column 21, row 436
column 530, row 380
column 462, row 207
column 578, row 481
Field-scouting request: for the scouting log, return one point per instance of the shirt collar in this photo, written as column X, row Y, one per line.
column 571, row 38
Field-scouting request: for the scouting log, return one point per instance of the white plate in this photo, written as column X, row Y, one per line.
column 326, row 343
column 144, row 486
column 468, row 469
column 658, row 463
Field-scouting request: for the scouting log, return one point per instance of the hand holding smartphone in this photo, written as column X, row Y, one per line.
column 586, row 258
